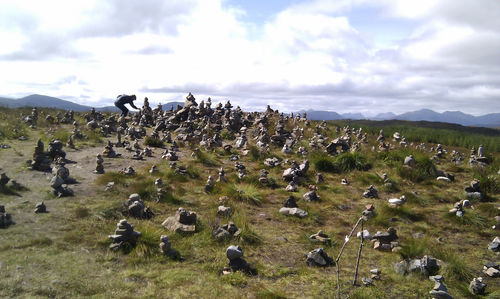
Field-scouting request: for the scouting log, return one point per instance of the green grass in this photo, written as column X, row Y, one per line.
column 149, row 141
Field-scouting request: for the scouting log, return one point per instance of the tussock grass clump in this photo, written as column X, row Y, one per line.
column 420, row 200
column 206, row 158
column 323, row 162
column 413, row 248
column 345, row 162
column 244, row 192
column 367, row 179
column 112, row 176
column 144, row 187
column 247, row 235
column 455, row 267
column 153, row 142
column 226, row 135
column 352, row 161
column 386, row 213
column 422, row 171
column 470, row 218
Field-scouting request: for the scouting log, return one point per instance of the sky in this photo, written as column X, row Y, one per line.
column 359, row 56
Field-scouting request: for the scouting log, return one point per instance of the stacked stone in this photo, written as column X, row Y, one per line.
column 99, row 168
column 311, row 195
column 40, row 208
column 491, row 269
column 227, row 231
column 124, row 233
column 426, row 266
column 182, row 221
column 290, row 208
column 236, row 262
column 137, row 209
column 40, row 160
column 371, row 192
column 439, row 291
column 59, row 188
column 320, row 237
column 5, row 219
column 55, row 150
column 386, row 241
column 473, row 191
column 109, row 152
column 318, row 258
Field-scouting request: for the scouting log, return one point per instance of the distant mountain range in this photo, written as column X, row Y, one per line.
column 36, row 100
column 455, row 117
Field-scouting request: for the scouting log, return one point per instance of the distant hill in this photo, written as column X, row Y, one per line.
column 491, row 120
column 36, row 100
column 167, row 106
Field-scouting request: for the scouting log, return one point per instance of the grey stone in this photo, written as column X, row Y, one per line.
column 477, row 286
column 234, row 252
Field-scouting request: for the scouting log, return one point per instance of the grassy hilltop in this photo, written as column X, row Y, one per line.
column 65, row 254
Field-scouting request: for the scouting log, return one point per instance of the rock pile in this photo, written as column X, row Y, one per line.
column 473, row 191
column 426, row 265
column 227, row 231
column 477, row 286
column 371, row 192
column 59, row 188
column 439, row 291
column 311, row 195
column 494, row 245
column 137, row 209
column 320, row 237
column 386, row 241
column 460, row 206
column 236, row 262
column 491, row 269
column 40, row 208
column 99, row 168
column 290, row 208
column 5, row 219
column 318, row 258
column 124, row 234
column 182, row 221
column 40, row 161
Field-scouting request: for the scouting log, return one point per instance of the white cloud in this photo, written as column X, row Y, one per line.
column 306, row 56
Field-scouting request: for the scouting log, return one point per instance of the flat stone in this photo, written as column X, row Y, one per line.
column 173, row 225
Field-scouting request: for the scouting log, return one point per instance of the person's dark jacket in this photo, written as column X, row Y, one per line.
column 125, row 99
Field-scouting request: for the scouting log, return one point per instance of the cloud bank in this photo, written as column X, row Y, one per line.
column 345, row 56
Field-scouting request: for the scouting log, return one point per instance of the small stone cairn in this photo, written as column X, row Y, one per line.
column 124, row 233
column 183, row 221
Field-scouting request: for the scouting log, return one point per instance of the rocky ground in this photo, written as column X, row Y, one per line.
column 66, row 252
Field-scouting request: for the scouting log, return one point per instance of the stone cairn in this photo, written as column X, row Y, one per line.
column 318, row 258
column 40, row 208
column 183, row 221
column 386, row 241
column 99, row 167
column 320, row 237
column 5, row 219
column 290, row 208
column 124, row 234
column 473, row 191
column 439, row 291
column 137, row 209
column 371, row 192
column 227, row 231
column 59, row 188
column 109, row 152
column 477, row 286
column 311, row 195
column 491, row 269
column 40, row 161
column 236, row 262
